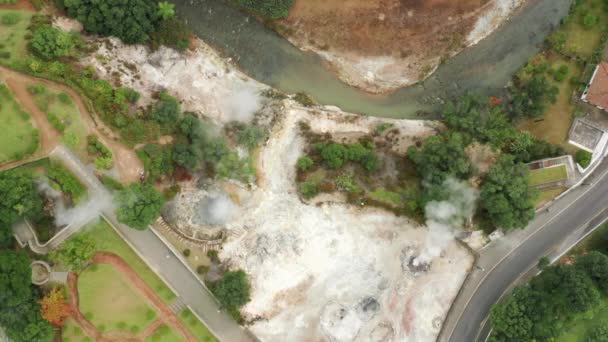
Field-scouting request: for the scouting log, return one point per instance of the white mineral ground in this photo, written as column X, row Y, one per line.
column 328, row 272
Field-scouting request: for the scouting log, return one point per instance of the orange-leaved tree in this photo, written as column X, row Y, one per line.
column 54, row 308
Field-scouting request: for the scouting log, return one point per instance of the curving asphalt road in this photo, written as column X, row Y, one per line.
column 513, row 259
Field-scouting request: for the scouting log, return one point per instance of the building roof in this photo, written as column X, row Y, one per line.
column 597, row 93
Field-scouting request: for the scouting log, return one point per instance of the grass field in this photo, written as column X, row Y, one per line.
column 582, row 41
column 548, row 195
column 13, row 45
column 71, row 332
column 164, row 334
column 548, row 175
column 109, row 302
column 195, row 326
column 18, row 137
column 62, row 113
column 106, row 239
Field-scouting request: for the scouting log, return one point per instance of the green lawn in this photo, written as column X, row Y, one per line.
column 13, row 45
column 18, row 137
column 106, row 239
column 109, row 302
column 164, row 334
column 582, row 41
column 62, row 113
column 71, row 332
column 389, row 197
column 548, row 195
column 195, row 326
column 548, row 175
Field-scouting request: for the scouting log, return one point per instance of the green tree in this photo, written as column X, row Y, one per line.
column 166, row 10
column 130, row 20
column 74, row 252
column 166, row 109
column 186, row 156
column 50, row 43
column 19, row 308
column 138, row 205
column 506, row 198
column 510, row 318
column 191, row 127
column 595, row 264
column 598, row 333
column 250, row 136
column 440, row 156
column 231, row 166
column 19, row 199
column 232, row 290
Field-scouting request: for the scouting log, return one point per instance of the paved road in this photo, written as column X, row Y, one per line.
column 513, row 258
column 163, row 261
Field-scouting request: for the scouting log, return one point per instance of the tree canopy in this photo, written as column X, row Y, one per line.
column 232, row 290
column 50, row 43
column 19, row 199
column 538, row 310
column 138, row 205
column 130, row 20
column 166, row 109
column 19, row 309
column 74, row 252
column 506, row 197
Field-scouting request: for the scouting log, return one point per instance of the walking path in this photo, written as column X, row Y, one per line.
column 161, row 259
column 128, row 164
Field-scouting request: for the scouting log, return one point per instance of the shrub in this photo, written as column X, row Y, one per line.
column 308, row 189
column 250, row 136
column 69, row 184
column 598, row 333
column 55, row 122
column 583, row 158
column 560, row 73
column 186, row 252
column 271, row 9
column 50, row 43
column 212, row 255
column 36, row 89
column 111, row 183
column 304, row 99
column 202, row 269
column 150, row 314
column 10, row 18
column 305, row 163
column 589, row 21
column 346, row 183
column 64, row 98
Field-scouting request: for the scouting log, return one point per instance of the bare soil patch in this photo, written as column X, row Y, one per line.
column 380, row 45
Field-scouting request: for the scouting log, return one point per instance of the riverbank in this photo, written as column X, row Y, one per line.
column 381, row 46
column 265, row 56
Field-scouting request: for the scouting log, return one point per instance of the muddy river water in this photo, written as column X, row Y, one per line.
column 262, row 54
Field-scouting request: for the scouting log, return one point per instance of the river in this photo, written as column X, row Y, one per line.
column 262, row 54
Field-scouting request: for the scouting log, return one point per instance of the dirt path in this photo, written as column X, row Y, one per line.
column 166, row 316
column 49, row 137
column 20, row 5
column 127, row 163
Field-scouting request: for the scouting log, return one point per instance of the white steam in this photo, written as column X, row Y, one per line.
column 83, row 212
column 219, row 210
column 242, row 104
column 444, row 218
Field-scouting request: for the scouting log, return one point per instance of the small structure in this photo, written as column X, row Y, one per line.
column 587, row 136
column 41, row 272
column 552, row 173
column 596, row 92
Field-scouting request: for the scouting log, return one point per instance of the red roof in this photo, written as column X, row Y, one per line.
column 597, row 94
